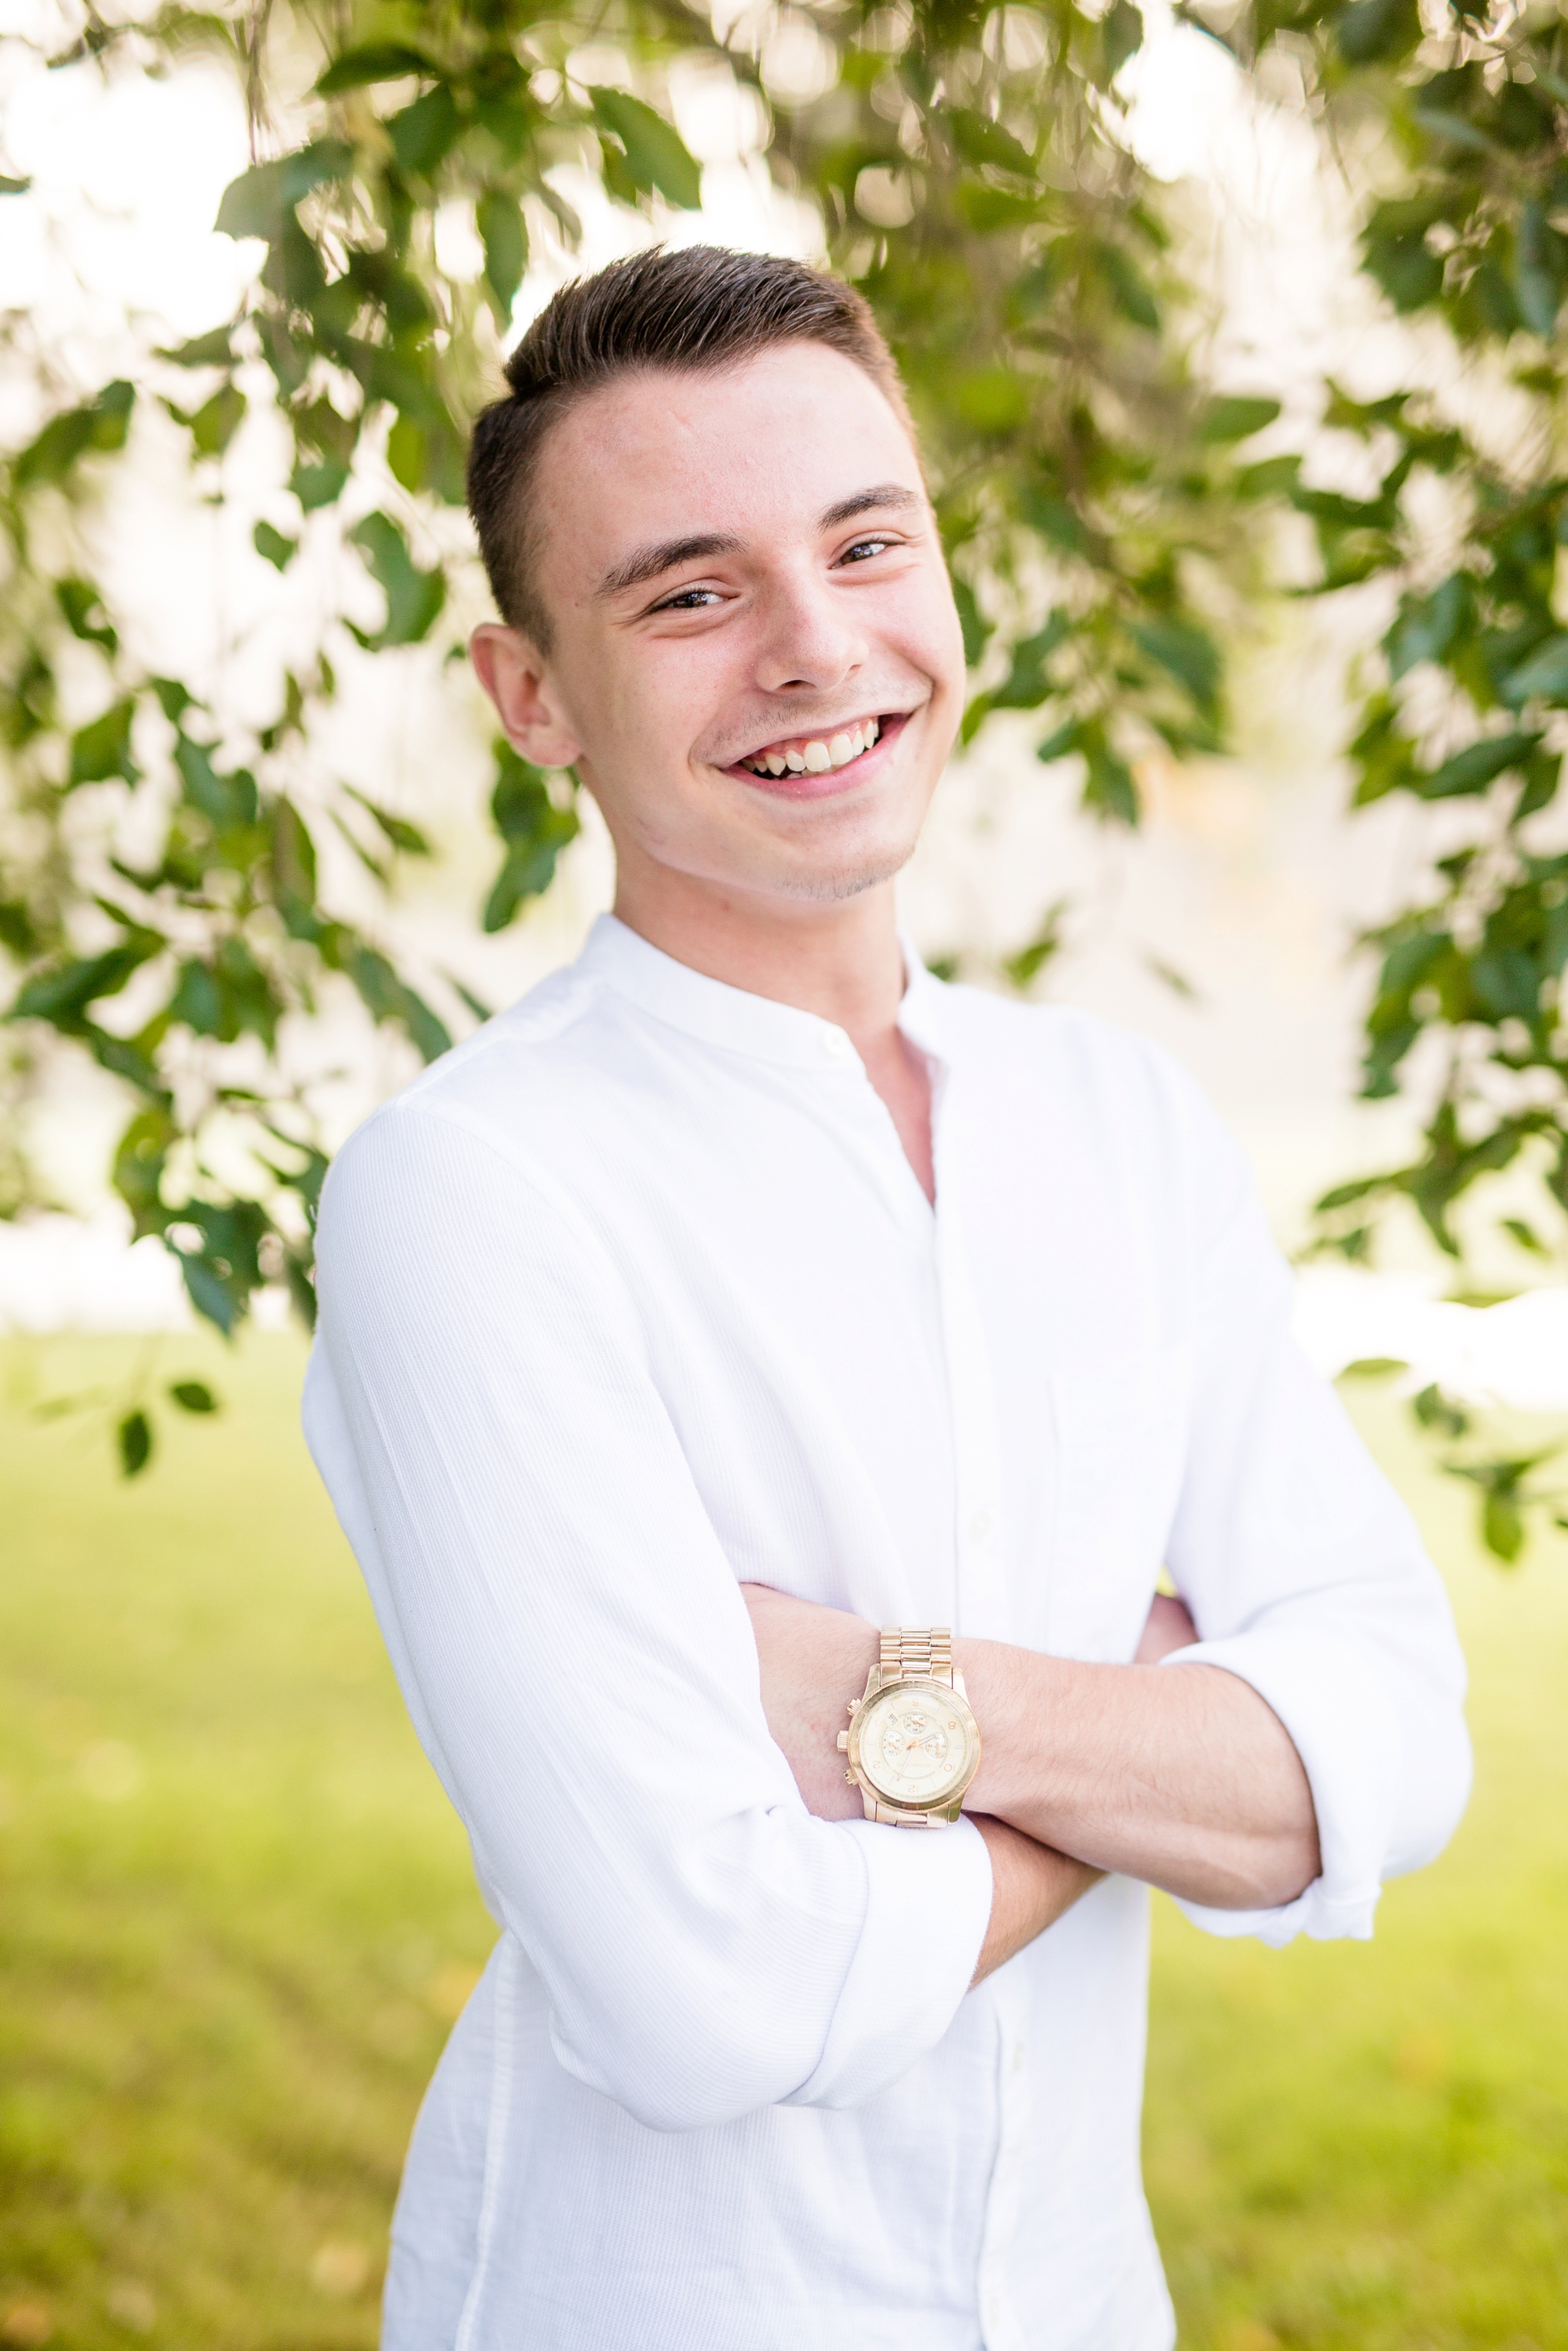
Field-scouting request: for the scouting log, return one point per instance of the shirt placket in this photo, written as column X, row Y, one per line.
column 982, row 1611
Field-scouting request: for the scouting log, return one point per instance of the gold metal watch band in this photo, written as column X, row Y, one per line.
column 910, row 1655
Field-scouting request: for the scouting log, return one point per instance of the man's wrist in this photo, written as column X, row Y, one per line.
column 1009, row 1690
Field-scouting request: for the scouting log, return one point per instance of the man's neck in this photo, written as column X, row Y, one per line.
column 840, row 961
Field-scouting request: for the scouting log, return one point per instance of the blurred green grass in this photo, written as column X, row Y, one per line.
column 239, row 1918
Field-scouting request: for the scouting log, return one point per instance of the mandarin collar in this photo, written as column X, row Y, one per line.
column 735, row 1019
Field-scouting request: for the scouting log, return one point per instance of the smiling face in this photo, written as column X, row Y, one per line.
column 755, row 664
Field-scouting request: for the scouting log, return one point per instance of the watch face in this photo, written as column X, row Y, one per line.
column 915, row 1743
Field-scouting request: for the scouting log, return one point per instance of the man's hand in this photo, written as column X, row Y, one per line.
column 1189, row 1781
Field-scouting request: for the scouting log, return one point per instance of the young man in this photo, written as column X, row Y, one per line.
column 743, row 1291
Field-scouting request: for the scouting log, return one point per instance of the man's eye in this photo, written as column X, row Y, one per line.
column 864, row 548
column 688, row 600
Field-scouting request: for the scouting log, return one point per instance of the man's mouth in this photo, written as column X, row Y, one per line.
column 814, row 755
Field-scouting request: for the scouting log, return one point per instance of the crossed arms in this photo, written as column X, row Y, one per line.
column 1187, row 1780
column 546, row 1553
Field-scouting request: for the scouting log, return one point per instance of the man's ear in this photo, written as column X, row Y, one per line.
column 513, row 672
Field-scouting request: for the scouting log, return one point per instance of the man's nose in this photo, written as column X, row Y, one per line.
column 811, row 643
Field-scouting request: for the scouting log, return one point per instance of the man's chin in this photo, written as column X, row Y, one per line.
column 829, row 879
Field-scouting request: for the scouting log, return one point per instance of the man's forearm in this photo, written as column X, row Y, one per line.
column 1031, row 1889
column 1185, row 1779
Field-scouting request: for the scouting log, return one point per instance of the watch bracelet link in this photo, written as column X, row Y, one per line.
column 910, row 1654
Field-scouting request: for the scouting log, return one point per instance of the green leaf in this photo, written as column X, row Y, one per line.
column 12, row 187
column 422, row 134
column 1471, row 769
column 1433, row 1409
column 1027, row 682
column 1371, row 31
column 972, row 621
column 1063, row 740
column 414, row 598
column 397, row 830
column 1502, row 1527
column 1025, row 965
column 1374, row 1367
column 320, row 483
column 1543, row 677
column 1235, row 417
column 373, row 61
column 99, row 425
column 1169, row 977
column 207, row 1292
column 294, row 870
column 387, row 997
column 534, row 829
column 1271, row 477
column 134, row 1436
column 980, row 142
column 228, row 802
column 261, row 202
column 217, row 422
column 477, row 1004
column 1426, row 627
column 503, row 234
column 656, row 154
column 85, row 617
column 273, row 545
column 215, row 349
column 62, row 996
column 1525, row 1235
column 1108, row 786
column 1122, row 35
column 139, row 1163
column 102, row 748
column 1538, row 272
column 987, row 210
column 1129, row 289
column 1187, row 652
column 193, row 1396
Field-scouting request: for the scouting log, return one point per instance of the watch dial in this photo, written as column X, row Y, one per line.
column 915, row 1744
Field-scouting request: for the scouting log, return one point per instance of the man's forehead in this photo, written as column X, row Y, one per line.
column 788, row 440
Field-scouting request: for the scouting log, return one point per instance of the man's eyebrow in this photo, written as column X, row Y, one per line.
column 648, row 562
column 886, row 494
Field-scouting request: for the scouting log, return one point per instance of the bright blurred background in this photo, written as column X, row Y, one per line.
column 239, row 1916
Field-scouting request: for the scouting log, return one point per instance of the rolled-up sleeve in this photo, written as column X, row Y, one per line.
column 578, row 1662
column 1306, row 1576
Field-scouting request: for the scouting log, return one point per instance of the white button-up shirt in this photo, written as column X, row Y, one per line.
column 634, row 1297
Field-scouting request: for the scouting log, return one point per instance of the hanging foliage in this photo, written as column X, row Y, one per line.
column 1452, row 124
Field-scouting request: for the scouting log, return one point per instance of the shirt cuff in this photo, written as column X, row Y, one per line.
column 929, row 1904
column 1346, row 1732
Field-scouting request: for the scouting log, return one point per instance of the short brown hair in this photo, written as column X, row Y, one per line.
column 699, row 309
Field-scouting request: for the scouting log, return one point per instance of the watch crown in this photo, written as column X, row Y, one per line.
column 843, row 1742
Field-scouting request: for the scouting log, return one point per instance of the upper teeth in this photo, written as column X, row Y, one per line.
column 816, row 758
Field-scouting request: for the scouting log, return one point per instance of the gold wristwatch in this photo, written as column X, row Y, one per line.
column 913, row 1744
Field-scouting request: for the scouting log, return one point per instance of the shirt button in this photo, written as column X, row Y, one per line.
column 836, row 1045
column 979, row 1526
